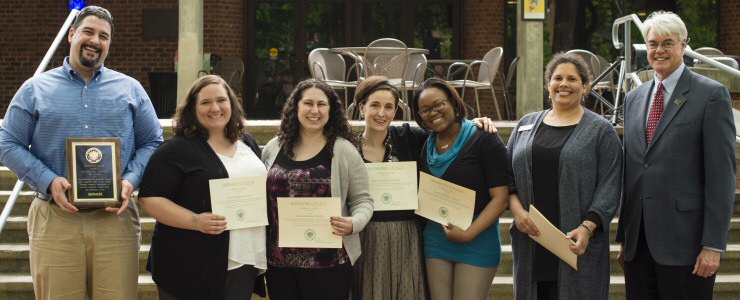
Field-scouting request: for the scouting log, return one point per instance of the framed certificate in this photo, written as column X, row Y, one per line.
column 94, row 171
column 305, row 222
column 393, row 185
column 444, row 202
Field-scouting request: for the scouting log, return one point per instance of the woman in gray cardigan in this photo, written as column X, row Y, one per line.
column 315, row 155
column 567, row 161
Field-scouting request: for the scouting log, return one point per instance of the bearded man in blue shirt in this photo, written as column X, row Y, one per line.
column 78, row 254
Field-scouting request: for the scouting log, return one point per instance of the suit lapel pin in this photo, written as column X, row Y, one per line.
column 678, row 102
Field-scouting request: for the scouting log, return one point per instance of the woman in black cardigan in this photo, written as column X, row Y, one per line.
column 190, row 254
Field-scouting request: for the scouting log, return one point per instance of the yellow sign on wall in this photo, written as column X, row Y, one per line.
column 533, row 9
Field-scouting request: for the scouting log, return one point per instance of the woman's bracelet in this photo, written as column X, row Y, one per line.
column 195, row 222
column 590, row 233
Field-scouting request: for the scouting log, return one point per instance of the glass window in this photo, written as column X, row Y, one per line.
column 325, row 26
column 433, row 29
column 380, row 20
column 273, row 53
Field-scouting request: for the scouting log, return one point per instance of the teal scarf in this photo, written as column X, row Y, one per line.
column 438, row 163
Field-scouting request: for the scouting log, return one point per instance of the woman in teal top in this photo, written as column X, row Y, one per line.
column 461, row 263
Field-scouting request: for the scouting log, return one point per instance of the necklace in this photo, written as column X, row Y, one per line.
column 390, row 152
column 452, row 140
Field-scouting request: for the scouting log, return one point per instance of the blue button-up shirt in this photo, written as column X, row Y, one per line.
column 58, row 104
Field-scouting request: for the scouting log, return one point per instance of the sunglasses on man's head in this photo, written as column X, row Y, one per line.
column 92, row 10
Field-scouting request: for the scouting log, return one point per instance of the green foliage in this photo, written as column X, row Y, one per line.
column 546, row 45
column 270, row 16
column 325, row 25
column 601, row 39
column 700, row 17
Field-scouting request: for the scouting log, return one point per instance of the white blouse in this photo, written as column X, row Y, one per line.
column 246, row 245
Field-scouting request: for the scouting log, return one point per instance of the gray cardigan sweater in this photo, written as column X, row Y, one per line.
column 349, row 181
column 590, row 177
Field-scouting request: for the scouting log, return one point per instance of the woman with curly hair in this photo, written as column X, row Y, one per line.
column 315, row 155
column 192, row 256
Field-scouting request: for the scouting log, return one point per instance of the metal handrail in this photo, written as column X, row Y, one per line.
column 627, row 45
column 42, row 66
column 712, row 62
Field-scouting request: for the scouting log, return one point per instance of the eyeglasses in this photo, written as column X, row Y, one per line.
column 436, row 108
column 667, row 45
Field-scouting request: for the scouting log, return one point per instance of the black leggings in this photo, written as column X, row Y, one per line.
column 239, row 284
column 308, row 284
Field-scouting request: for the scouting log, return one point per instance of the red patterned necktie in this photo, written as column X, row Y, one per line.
column 655, row 111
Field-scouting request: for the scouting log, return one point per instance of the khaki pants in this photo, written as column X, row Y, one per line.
column 93, row 255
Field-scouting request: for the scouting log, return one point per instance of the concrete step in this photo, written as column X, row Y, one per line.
column 26, row 197
column 14, row 259
column 15, row 230
column 730, row 264
column 505, row 223
column 726, row 287
column 8, row 180
column 16, row 287
column 23, row 202
column 20, row 286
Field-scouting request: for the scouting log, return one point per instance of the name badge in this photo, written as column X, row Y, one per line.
column 526, row 127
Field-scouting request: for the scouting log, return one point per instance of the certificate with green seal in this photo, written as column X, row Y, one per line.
column 305, row 222
column 94, row 171
column 242, row 200
column 442, row 201
column 393, row 185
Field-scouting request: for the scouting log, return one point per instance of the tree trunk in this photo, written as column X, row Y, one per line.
column 566, row 13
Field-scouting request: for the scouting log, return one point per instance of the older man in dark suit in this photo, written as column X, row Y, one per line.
column 679, row 175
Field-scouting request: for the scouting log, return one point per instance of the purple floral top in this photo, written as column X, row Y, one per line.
column 288, row 178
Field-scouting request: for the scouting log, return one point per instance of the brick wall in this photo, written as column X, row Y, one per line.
column 24, row 41
column 483, row 30
column 223, row 28
column 729, row 23
column 28, row 30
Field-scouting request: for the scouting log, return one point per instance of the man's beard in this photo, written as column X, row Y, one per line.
column 88, row 62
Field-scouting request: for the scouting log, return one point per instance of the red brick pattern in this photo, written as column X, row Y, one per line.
column 483, row 30
column 25, row 36
column 27, row 30
column 729, row 24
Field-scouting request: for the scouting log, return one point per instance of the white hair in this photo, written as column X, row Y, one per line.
column 664, row 23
